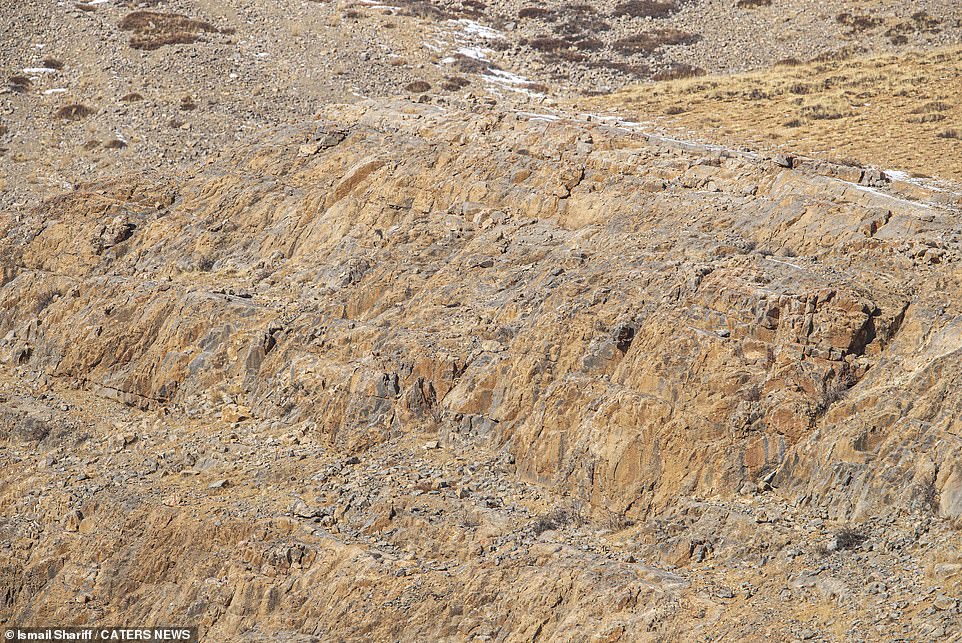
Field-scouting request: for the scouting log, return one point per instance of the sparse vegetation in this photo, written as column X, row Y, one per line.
column 888, row 111
column 418, row 87
column 614, row 522
column 753, row 4
column 647, row 8
column 825, row 111
column 548, row 43
column 933, row 106
column 950, row 133
column 858, row 23
column 539, row 13
column 649, row 42
column 52, row 63
column 557, row 519
column 152, row 29
column 847, row 161
column 469, row 65
column 927, row 118
column 677, row 71
column 848, row 538
column 132, row 97
column 74, row 112
column 20, row 84
column 424, row 9
column 921, row 22
column 454, row 83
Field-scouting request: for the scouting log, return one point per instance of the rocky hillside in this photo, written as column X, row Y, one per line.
column 93, row 89
column 408, row 372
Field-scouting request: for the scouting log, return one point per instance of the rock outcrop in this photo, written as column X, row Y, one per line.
column 644, row 332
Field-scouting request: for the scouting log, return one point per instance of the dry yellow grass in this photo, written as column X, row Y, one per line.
column 898, row 112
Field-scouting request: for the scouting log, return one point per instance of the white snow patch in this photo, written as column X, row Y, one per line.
column 905, row 177
column 39, row 70
column 447, row 60
column 532, row 116
column 504, row 77
column 510, row 81
column 614, row 120
column 474, row 52
column 475, row 29
column 877, row 192
column 56, row 90
column 898, row 175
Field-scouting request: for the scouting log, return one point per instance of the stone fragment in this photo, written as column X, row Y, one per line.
column 783, row 160
column 72, row 519
column 944, row 603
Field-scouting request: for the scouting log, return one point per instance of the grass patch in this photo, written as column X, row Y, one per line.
column 677, row 71
column 849, row 539
column 893, row 111
column 933, row 106
column 825, row 111
column 454, row 83
column 847, row 161
column 655, row 9
column 20, row 84
column 418, row 87
column 153, row 30
column 548, row 44
column 927, row 118
column 649, row 42
column 537, row 13
column 74, row 112
column 424, row 9
column 857, row 24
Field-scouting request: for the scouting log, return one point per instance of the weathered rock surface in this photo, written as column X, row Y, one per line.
column 706, row 355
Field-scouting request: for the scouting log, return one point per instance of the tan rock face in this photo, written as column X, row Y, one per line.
column 632, row 320
column 581, row 330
